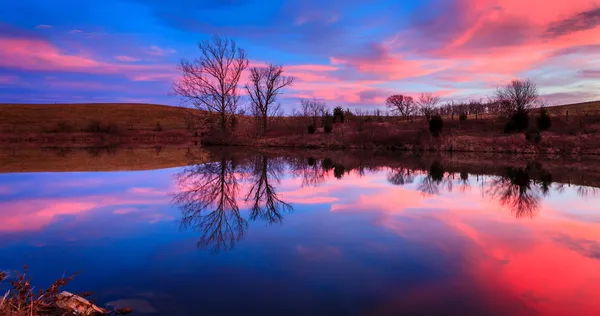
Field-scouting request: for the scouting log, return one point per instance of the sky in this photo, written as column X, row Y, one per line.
column 346, row 52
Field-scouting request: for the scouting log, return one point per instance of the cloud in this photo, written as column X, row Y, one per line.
column 587, row 248
column 126, row 58
column 75, row 31
column 157, row 51
column 582, row 21
column 32, row 54
column 43, row 26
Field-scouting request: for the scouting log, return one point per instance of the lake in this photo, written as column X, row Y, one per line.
column 186, row 231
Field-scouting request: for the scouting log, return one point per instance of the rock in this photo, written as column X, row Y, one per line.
column 78, row 305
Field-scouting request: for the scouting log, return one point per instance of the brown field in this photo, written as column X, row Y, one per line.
column 573, row 134
column 45, row 118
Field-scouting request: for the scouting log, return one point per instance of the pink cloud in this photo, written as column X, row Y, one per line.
column 43, row 26
column 126, row 58
column 158, row 51
column 40, row 55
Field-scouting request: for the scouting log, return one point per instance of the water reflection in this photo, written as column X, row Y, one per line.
column 208, row 198
column 210, row 191
column 265, row 174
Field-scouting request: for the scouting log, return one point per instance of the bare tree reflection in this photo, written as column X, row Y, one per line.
column 401, row 176
column 308, row 170
column 266, row 204
column 207, row 199
column 518, row 191
column 465, row 184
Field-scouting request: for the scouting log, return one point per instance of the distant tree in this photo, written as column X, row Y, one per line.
column 311, row 110
column 265, row 85
column 427, row 103
column 338, row 114
column 518, row 96
column 475, row 107
column 403, row 105
column 210, row 82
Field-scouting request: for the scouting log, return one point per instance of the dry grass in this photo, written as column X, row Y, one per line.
column 42, row 118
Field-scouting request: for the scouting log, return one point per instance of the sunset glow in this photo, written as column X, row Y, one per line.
column 347, row 52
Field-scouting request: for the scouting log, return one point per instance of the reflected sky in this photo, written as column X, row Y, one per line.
column 298, row 236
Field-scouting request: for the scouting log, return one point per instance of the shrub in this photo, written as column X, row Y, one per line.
column 97, row 127
column 436, row 123
column 311, row 129
column 521, row 119
column 338, row 115
column 544, row 122
column 510, row 127
column 158, row 127
column 311, row 161
column 462, row 117
column 518, row 122
column 328, row 123
column 93, row 127
column 533, row 136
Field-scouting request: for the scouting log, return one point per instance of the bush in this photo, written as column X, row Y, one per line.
column 544, row 122
column 521, row 119
column 533, row 136
column 436, row 123
column 462, row 117
column 158, row 127
column 328, row 124
column 97, row 127
column 338, row 115
column 311, row 129
column 94, row 127
column 518, row 122
column 312, row 161
column 510, row 127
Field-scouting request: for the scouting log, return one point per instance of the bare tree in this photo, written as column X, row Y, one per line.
column 403, row 105
column 210, row 82
column 518, row 96
column 312, row 110
column 427, row 104
column 266, row 84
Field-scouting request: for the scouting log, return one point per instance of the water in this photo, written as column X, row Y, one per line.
column 307, row 233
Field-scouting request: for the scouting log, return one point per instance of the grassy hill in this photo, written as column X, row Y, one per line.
column 590, row 108
column 40, row 118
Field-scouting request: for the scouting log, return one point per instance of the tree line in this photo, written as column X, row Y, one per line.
column 211, row 83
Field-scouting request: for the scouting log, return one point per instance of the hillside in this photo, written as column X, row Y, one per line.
column 41, row 118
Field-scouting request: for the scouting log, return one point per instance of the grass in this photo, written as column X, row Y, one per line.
column 24, row 299
column 44, row 118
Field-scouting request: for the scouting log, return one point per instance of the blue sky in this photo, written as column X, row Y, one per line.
column 349, row 53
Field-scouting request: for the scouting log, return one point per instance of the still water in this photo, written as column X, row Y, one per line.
column 310, row 234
